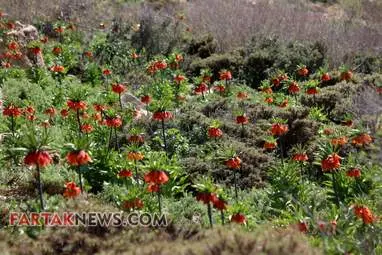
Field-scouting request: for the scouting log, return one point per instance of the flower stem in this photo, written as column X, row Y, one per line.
column 164, row 136
column 120, row 101
column 209, row 210
column 39, row 183
column 222, row 216
column 235, row 184
column 159, row 201
column 334, row 183
column 116, row 138
column 80, row 177
column 79, row 122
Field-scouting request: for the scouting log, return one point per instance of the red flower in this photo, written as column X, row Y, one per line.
column 12, row 111
column 312, row 91
column 267, row 90
column 270, row 145
column 137, row 139
column 135, row 156
column 225, row 75
column 179, row 78
column 36, row 50
column 219, row 88
column 78, row 158
column 146, row 99
column 134, row 55
column 242, row 95
column 44, row 39
column 238, row 218
column 302, row 226
column 268, row 100
column 30, row 110
column 118, row 88
column 325, row 77
column 51, row 111
column 57, row 69
column 87, row 128
column 346, row 76
column 233, row 163
column 125, row 173
column 88, row 54
column 99, row 107
column 362, row 139
column 152, row 187
column 59, row 30
column 275, row 82
column 300, row 157
column 13, row 45
column 332, row 162
column 339, row 141
column 242, row 119
column 293, row 88
column 178, row 58
column 76, row 105
column 38, row 158
column 160, row 65
column 354, row 172
column 162, row 116
column 364, row 213
column 57, row 50
column 64, row 113
column 328, row 131
column 157, row 177
column 303, row 72
column 106, row 72
column 114, row 122
column 219, row 204
column 215, row 132
column 134, row 203
column 71, row 190
column 278, row 129
column 206, row 197
column 201, row 88
column 45, row 124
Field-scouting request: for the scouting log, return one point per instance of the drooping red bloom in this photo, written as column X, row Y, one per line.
column 13, row 45
column 146, row 99
column 275, row 82
column 160, row 65
column 293, row 88
column 136, row 139
column 44, row 39
column 57, row 50
column 57, row 69
column 76, row 105
column 269, row 145
column 215, row 132
column 340, row 141
column 361, row 140
column 51, row 111
column 284, row 103
column 242, row 95
column 12, row 111
column 331, row 163
column 125, row 173
column 354, row 172
column 88, row 54
column 242, row 119
column 118, row 88
column 201, row 88
column 134, row 203
column 206, row 197
column 134, row 55
column 71, row 190
column 179, row 78
column 312, row 91
column 59, row 29
column 99, row 107
column 162, row 116
column 268, row 100
column 346, row 75
column 233, row 163
column 219, row 203
column 87, row 128
column 38, row 158
column 303, row 71
column 78, row 158
column 135, row 156
column 6, row 65
column 30, row 110
column 64, row 113
column 178, row 58
column 225, row 75
column 114, row 121
column 36, row 51
column 278, row 129
column 328, row 131
column 106, row 72
column 157, row 177
column 300, row 157
column 219, row 88
column 326, row 77
column 238, row 218
column 364, row 213
column 267, row 90
column 302, row 226
column 45, row 124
